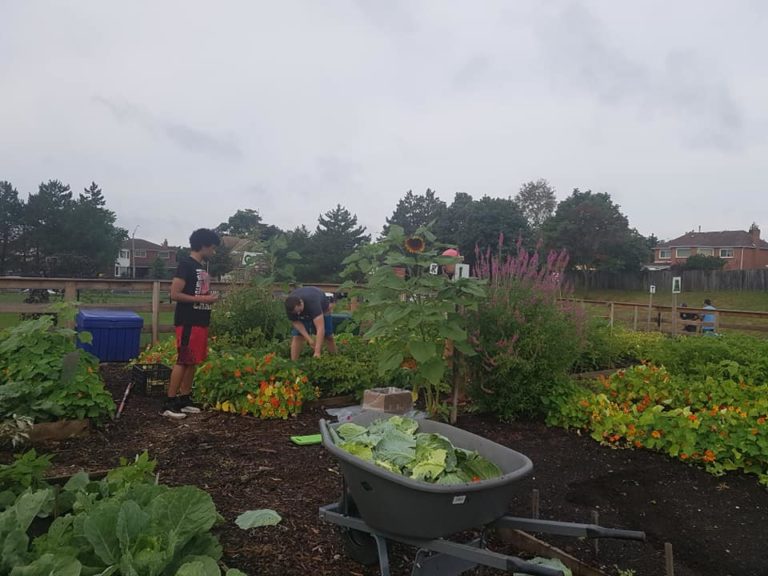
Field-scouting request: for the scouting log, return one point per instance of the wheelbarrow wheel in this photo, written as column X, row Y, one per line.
column 358, row 546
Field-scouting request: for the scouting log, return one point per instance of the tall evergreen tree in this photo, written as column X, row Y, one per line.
column 415, row 210
column 11, row 225
column 336, row 237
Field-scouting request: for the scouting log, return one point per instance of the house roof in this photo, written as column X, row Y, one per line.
column 723, row 239
column 141, row 244
column 236, row 244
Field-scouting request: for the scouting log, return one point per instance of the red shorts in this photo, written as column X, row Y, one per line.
column 192, row 344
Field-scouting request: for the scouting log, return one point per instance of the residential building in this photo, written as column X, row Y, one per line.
column 741, row 249
column 142, row 254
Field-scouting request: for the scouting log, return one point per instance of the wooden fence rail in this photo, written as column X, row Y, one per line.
column 636, row 316
column 156, row 292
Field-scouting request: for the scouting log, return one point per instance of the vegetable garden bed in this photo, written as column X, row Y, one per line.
column 245, row 463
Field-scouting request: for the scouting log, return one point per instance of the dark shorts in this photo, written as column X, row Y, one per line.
column 191, row 344
column 309, row 325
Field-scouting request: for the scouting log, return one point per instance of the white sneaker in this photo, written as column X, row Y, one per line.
column 173, row 414
column 191, row 409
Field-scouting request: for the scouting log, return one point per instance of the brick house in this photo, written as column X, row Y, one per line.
column 144, row 256
column 741, row 250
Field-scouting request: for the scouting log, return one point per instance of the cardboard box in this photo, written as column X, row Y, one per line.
column 391, row 400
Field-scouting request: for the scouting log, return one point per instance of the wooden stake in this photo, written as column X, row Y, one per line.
column 634, row 319
column 669, row 559
column 535, row 504
column 596, row 522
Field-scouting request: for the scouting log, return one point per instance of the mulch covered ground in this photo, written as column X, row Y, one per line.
column 718, row 526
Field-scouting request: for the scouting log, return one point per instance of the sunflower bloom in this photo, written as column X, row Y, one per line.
column 415, row 245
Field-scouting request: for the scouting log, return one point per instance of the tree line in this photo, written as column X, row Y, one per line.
column 56, row 233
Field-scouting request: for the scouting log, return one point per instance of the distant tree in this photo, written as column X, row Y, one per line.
column 703, row 262
column 469, row 223
column 243, row 223
column 11, row 225
column 537, row 202
column 299, row 242
column 415, row 210
column 91, row 237
column 336, row 237
column 158, row 270
column 595, row 233
column 221, row 263
column 45, row 220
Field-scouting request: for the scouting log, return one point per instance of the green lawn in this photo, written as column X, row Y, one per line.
column 11, row 319
column 749, row 301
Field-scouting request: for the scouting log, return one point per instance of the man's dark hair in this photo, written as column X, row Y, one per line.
column 290, row 303
column 203, row 237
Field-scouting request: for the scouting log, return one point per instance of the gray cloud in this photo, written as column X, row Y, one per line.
column 183, row 136
column 581, row 53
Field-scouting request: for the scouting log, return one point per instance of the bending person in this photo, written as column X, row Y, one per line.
column 309, row 309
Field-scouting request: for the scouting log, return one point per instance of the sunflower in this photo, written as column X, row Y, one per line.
column 415, row 245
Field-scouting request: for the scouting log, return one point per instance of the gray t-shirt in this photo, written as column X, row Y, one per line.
column 315, row 303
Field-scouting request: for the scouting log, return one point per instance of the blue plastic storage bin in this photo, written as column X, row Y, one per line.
column 116, row 334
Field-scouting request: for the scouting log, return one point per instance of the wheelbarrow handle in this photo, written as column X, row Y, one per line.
column 573, row 529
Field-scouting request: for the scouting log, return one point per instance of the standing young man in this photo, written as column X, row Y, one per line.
column 309, row 310
column 191, row 290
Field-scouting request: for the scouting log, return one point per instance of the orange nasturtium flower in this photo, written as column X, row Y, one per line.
column 237, row 373
column 683, row 456
column 656, row 434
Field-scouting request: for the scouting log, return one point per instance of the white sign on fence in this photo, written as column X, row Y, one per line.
column 677, row 285
column 653, row 289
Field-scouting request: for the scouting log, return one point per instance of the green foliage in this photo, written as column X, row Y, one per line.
column 158, row 271
column 537, row 202
column 250, row 316
column 123, row 524
column 718, row 421
column 257, row 519
column 605, row 347
column 45, row 377
column 703, row 262
column 67, row 236
column 11, row 226
column 412, row 314
column 395, row 445
column 595, row 233
column 469, row 223
column 526, row 340
column 243, row 224
column 337, row 236
column 414, row 211
column 24, row 473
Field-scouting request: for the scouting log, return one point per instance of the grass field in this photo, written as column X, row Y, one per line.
column 749, row 301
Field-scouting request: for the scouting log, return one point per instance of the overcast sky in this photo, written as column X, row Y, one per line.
column 185, row 111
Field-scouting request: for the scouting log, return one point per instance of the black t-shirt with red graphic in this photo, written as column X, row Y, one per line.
column 197, row 282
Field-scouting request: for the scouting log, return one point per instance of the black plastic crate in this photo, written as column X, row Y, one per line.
column 151, row 379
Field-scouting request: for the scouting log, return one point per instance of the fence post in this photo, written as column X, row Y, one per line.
column 612, row 307
column 634, row 319
column 674, row 315
column 70, row 295
column 155, row 311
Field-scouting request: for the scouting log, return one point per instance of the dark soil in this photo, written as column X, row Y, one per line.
column 717, row 525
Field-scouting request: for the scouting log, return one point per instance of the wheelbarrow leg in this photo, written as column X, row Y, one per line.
column 381, row 545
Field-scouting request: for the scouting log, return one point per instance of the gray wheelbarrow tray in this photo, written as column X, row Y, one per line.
column 388, row 506
column 396, row 504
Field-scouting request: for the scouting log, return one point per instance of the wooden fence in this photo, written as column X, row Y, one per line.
column 668, row 319
column 693, row 280
column 156, row 300
column 155, row 294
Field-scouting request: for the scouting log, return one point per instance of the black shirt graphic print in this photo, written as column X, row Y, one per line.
column 197, row 282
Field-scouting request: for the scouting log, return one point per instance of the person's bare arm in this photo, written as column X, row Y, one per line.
column 319, row 323
column 177, row 294
column 303, row 331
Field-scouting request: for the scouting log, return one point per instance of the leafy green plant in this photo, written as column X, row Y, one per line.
column 24, row 473
column 526, row 340
column 352, row 370
column 395, row 445
column 123, row 524
column 15, row 430
column 45, row 377
column 410, row 312
column 608, row 347
column 250, row 316
column 718, row 421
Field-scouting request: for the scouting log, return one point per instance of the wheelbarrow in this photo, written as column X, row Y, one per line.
column 378, row 506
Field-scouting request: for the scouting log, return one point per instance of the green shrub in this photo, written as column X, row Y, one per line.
column 352, row 371
column 44, row 377
column 605, row 347
column 250, row 316
column 526, row 340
